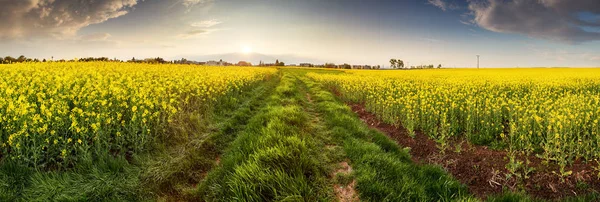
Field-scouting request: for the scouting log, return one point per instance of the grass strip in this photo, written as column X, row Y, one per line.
column 383, row 171
column 275, row 158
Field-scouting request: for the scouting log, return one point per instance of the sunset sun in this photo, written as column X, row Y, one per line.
column 246, row 49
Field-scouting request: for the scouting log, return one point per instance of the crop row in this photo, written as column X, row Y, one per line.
column 552, row 113
column 54, row 114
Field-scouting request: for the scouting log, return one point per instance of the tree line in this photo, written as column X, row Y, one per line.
column 399, row 64
column 22, row 58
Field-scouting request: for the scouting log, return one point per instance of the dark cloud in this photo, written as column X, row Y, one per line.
column 56, row 18
column 548, row 19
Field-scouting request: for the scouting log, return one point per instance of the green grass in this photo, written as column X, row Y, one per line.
column 383, row 170
column 281, row 140
column 275, row 159
column 169, row 171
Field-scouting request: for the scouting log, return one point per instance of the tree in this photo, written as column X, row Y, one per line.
column 21, row 58
column 44, row 60
column 399, row 63
column 277, row 63
column 9, row 59
column 346, row 66
column 393, row 63
column 439, row 66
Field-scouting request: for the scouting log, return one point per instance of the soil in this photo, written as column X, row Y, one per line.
column 345, row 193
column 483, row 170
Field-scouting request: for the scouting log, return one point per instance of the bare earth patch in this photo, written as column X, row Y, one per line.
column 482, row 169
column 345, row 193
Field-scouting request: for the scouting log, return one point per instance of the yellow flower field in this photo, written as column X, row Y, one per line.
column 53, row 113
column 552, row 113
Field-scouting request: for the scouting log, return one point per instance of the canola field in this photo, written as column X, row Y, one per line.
column 53, row 114
column 550, row 113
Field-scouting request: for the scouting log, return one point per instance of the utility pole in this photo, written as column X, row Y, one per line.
column 477, row 61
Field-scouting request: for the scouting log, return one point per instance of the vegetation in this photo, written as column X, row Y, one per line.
column 108, row 131
column 554, row 116
column 65, row 112
column 383, row 170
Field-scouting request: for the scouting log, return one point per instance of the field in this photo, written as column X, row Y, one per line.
column 104, row 131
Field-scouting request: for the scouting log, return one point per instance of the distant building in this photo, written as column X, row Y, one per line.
column 244, row 63
column 306, row 65
column 213, row 63
column 218, row 63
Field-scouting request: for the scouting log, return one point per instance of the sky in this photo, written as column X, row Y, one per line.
column 505, row 33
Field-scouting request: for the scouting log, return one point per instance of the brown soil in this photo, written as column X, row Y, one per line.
column 218, row 160
column 483, row 170
column 345, row 193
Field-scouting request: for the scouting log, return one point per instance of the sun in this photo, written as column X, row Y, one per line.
column 246, row 49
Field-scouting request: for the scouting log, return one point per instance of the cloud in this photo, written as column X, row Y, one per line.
column 195, row 33
column 443, row 4
column 96, row 37
column 206, row 23
column 559, row 54
column 190, row 3
column 438, row 3
column 56, row 18
column 547, row 19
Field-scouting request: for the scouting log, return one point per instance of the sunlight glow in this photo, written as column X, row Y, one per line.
column 246, row 49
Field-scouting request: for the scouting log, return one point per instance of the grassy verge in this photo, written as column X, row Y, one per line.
column 169, row 171
column 276, row 158
column 382, row 170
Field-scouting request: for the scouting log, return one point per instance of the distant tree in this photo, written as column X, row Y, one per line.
column 1, row 60
column 439, row 66
column 329, row 65
column 399, row 63
column 21, row 58
column 9, row 59
column 44, row 60
column 393, row 63
column 346, row 66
